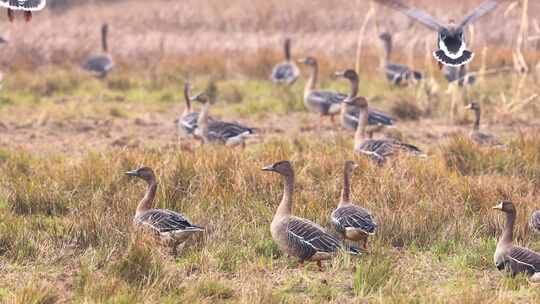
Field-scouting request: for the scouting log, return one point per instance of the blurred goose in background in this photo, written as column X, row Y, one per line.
column 102, row 64
column 326, row 103
column 452, row 49
column 377, row 149
column 349, row 113
column 397, row 74
column 171, row 227
column 27, row 6
column 296, row 236
column 459, row 74
column 534, row 221
column 351, row 221
column 511, row 258
column 187, row 122
column 481, row 138
column 3, row 40
column 286, row 72
column 217, row 131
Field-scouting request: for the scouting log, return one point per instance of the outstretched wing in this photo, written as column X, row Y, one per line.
column 25, row 5
column 478, row 12
column 414, row 13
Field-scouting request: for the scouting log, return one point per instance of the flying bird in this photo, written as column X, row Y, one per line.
column 27, row 6
column 452, row 50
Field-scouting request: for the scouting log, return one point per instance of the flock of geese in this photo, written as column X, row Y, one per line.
column 299, row 237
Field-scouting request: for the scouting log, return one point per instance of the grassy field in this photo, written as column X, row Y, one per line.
column 66, row 139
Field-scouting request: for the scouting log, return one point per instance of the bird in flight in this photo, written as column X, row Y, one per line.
column 452, row 50
column 27, row 6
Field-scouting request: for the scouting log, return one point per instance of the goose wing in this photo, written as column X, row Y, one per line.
column 26, row 5
column 307, row 238
column 188, row 122
column 99, row 64
column 285, row 72
column 523, row 260
column 485, row 139
column 352, row 216
column 163, row 220
column 396, row 72
column 380, row 149
column 484, row 8
column 534, row 222
column 414, row 13
column 224, row 130
column 376, row 117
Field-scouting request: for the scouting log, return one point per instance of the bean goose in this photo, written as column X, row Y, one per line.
column 187, row 122
column 27, row 6
column 397, row 74
column 450, row 39
column 534, row 221
column 286, row 72
column 511, row 258
column 349, row 113
column 296, row 236
column 377, row 149
column 351, row 221
column 481, row 138
column 217, row 131
column 171, row 227
column 102, row 64
column 326, row 103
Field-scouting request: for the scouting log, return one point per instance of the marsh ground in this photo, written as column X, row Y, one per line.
column 65, row 140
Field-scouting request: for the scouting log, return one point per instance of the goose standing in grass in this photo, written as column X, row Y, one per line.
column 296, row 236
column 377, row 149
column 511, row 258
column 27, row 6
column 349, row 113
column 286, row 72
column 217, row 131
column 187, row 122
column 351, row 221
column 452, row 49
column 102, row 64
column 171, row 227
column 397, row 74
column 326, row 103
column 534, row 221
column 481, row 138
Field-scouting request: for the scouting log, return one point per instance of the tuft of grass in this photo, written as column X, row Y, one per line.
column 372, row 274
column 140, row 266
column 35, row 293
column 214, row 290
column 406, row 110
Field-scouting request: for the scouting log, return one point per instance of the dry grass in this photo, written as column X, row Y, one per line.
column 66, row 207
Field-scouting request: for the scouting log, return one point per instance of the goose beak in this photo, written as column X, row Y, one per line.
column 302, row 60
column 354, row 166
column 339, row 74
column 132, row 173
column 498, row 207
column 268, row 168
column 348, row 101
column 469, row 106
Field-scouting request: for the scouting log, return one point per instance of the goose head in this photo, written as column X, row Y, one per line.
column 105, row 28
column 505, row 206
column 358, row 102
column 282, row 167
column 473, row 106
column 347, row 74
column 386, row 37
column 201, row 97
column 145, row 173
column 350, row 166
column 309, row 61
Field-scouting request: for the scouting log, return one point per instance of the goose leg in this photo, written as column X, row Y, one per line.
column 10, row 15
column 319, row 264
column 333, row 120
column 301, row 264
column 27, row 16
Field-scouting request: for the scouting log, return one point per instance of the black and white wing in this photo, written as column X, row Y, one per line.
column 523, row 260
column 534, row 221
column 378, row 117
column 307, row 238
column 24, row 5
column 396, row 73
column 163, row 221
column 380, row 149
column 352, row 216
column 286, row 73
column 478, row 12
column 100, row 64
column 222, row 131
column 325, row 102
column 188, row 122
column 414, row 13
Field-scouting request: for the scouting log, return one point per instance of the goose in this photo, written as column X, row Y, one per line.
column 187, row 122
column 351, row 221
column 217, row 131
column 102, row 64
column 534, row 221
column 296, row 236
column 326, row 103
column 452, row 49
column 478, row 137
column 172, row 228
column 511, row 258
column 459, row 74
column 397, row 74
column 286, row 72
column 27, row 6
column 377, row 149
column 349, row 113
